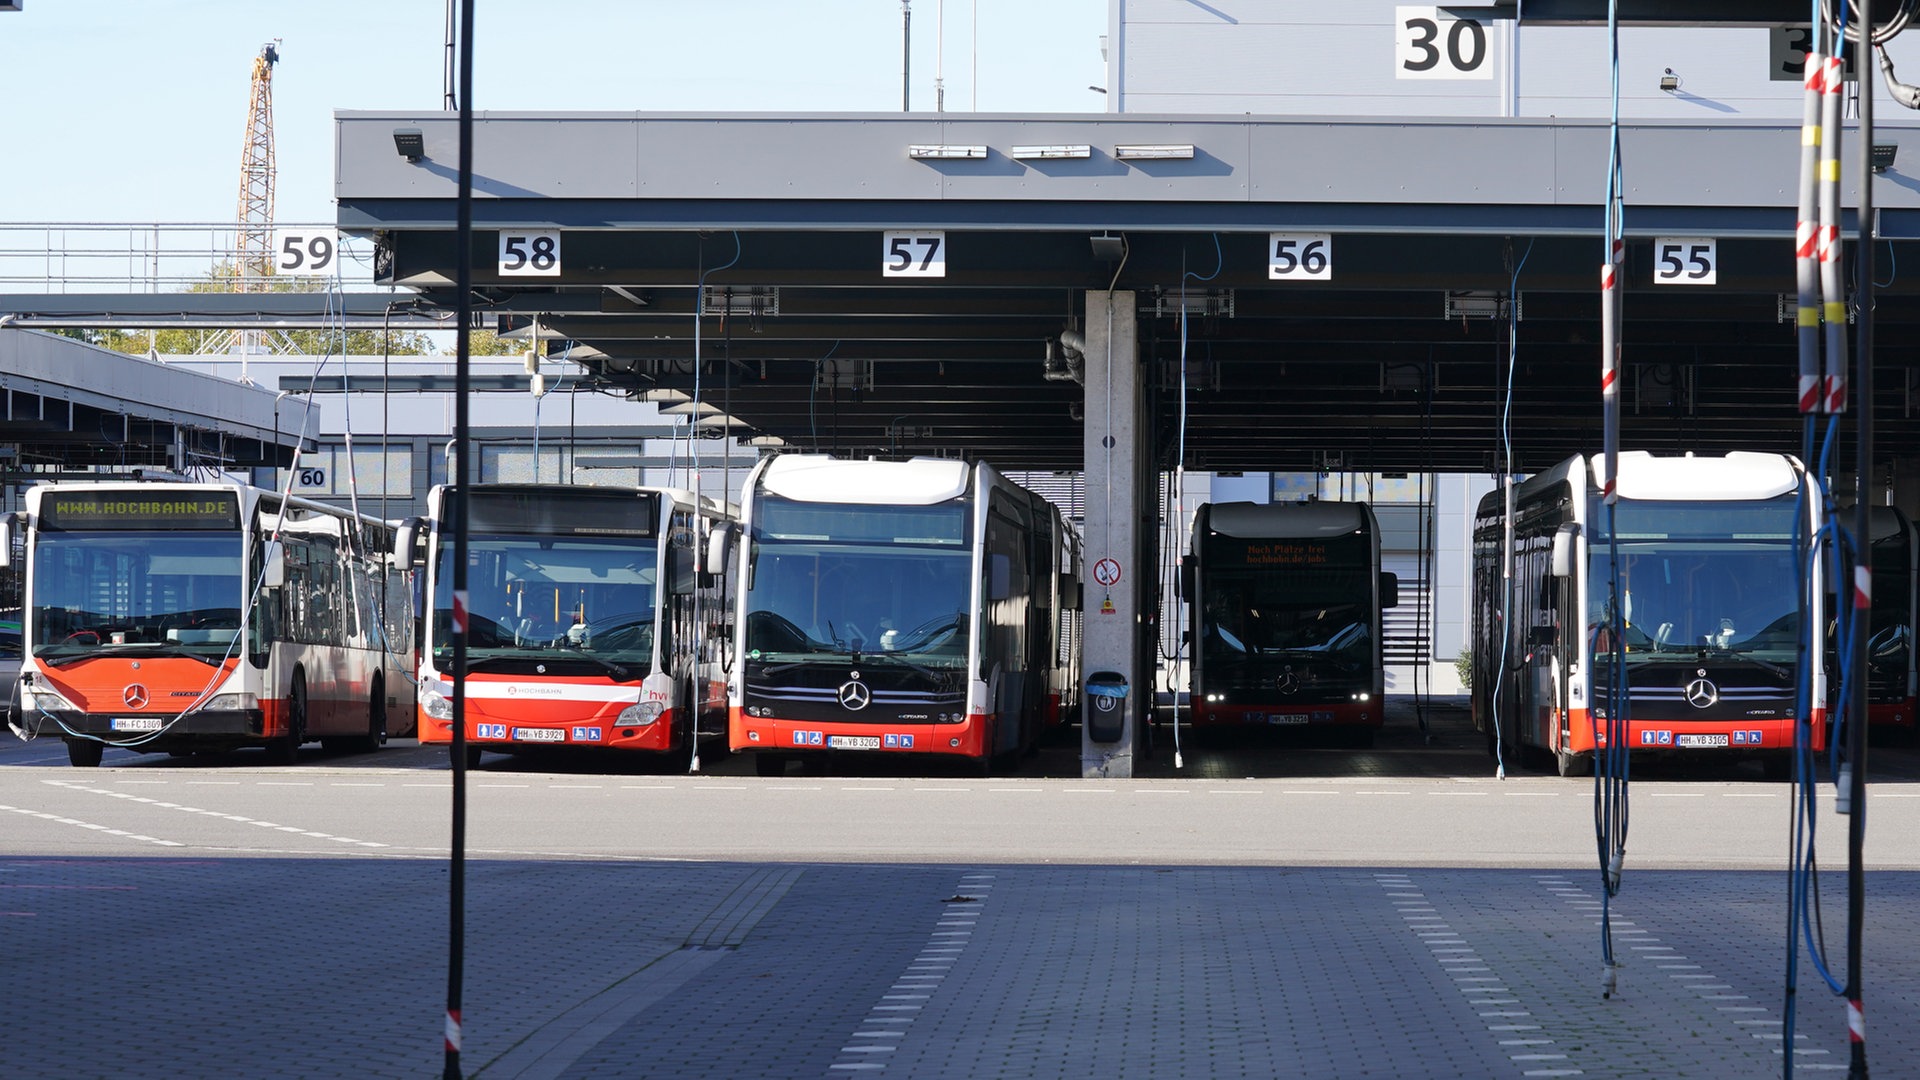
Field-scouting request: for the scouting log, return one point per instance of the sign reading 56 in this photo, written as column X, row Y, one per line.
column 1300, row 256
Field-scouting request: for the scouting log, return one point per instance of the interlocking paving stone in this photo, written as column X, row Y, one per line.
column 178, row 968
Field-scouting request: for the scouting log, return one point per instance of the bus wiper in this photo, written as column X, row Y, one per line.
column 1730, row 653
column 140, row 648
column 475, row 663
column 922, row 670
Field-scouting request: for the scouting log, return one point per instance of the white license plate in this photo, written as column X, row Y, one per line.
column 138, row 723
column 1287, row 718
column 538, row 734
column 854, row 742
column 1699, row 740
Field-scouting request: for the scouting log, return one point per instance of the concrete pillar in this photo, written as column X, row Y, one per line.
column 1114, row 574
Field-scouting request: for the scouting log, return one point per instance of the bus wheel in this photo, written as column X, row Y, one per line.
column 769, row 765
column 376, row 721
column 85, row 753
column 285, row 750
column 1571, row 764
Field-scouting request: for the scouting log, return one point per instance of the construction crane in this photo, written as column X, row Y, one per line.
column 254, row 249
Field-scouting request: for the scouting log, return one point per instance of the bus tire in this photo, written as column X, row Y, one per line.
column 376, row 721
column 1572, row 764
column 765, row 764
column 285, row 750
column 85, row 753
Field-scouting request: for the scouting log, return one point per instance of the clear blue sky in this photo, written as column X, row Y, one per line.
column 134, row 110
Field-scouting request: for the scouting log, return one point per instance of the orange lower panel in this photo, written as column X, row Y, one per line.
column 1588, row 735
column 657, row 736
column 968, row 738
column 1891, row 714
column 1356, row 714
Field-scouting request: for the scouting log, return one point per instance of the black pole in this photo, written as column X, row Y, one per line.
column 1856, row 794
column 463, row 255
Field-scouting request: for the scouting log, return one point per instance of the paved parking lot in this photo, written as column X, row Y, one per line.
column 1403, row 917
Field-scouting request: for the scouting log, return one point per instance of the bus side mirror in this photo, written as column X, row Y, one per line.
column 1563, row 544
column 999, row 577
column 401, row 556
column 1389, row 590
column 1189, row 573
column 1070, row 593
column 274, row 574
column 719, row 546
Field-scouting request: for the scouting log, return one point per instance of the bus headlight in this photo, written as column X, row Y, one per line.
column 436, row 704
column 39, row 698
column 234, row 702
column 642, row 714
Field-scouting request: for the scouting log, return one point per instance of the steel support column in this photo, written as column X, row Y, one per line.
column 1114, row 573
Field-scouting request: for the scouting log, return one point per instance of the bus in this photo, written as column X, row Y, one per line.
column 1284, row 605
column 897, row 607
column 588, row 625
column 1713, row 600
column 1891, row 676
column 178, row 616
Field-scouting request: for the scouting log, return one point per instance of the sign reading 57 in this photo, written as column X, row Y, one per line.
column 922, row 253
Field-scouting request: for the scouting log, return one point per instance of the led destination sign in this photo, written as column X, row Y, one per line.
column 134, row 511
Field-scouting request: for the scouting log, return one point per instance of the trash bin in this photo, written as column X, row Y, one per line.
column 1106, row 706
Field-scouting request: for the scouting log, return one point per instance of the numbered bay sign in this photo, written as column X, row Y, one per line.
column 529, row 254
column 1300, row 256
column 306, row 252
column 922, row 253
column 1684, row 260
column 1434, row 43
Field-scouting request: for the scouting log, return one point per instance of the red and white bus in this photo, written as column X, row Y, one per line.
column 175, row 616
column 589, row 623
column 1891, row 675
column 1713, row 603
column 1284, row 606
column 907, row 607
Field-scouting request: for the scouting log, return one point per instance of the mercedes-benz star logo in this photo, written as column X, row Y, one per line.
column 855, row 696
column 1287, row 683
column 135, row 696
column 1701, row 693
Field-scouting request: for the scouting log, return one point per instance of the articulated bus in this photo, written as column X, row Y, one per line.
column 173, row 616
column 1711, row 599
column 897, row 607
column 588, row 622
column 1284, row 609
column 1891, row 675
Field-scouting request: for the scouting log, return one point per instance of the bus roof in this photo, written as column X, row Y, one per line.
column 1306, row 519
column 1738, row 475
column 820, row 478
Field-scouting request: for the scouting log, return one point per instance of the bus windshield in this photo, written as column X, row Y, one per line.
column 173, row 592
column 840, row 579
column 1289, row 612
column 1702, row 578
column 591, row 597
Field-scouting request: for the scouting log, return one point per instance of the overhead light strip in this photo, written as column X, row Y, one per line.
column 1154, row 152
column 944, row 152
column 1030, row 153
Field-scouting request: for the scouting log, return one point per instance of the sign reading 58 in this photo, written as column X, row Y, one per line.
column 529, row 254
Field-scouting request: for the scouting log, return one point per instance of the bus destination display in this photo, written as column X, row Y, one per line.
column 135, row 511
